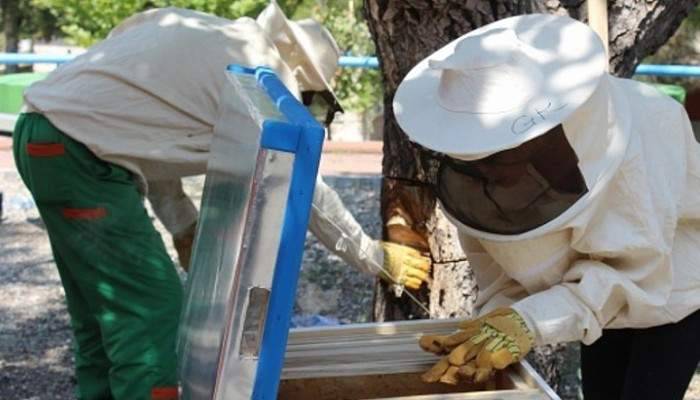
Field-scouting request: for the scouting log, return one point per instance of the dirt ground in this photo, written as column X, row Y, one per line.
column 35, row 337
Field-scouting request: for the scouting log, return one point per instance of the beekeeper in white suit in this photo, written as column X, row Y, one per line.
column 577, row 199
column 132, row 116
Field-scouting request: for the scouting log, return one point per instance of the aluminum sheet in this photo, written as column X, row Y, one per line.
column 238, row 235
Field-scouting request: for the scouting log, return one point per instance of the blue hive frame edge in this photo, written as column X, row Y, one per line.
column 303, row 136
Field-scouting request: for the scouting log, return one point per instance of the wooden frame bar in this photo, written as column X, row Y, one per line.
column 383, row 361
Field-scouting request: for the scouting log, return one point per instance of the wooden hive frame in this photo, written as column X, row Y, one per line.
column 383, row 361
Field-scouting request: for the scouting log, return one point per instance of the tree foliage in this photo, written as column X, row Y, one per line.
column 682, row 48
column 359, row 89
column 85, row 22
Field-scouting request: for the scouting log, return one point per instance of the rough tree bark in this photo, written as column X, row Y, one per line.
column 405, row 32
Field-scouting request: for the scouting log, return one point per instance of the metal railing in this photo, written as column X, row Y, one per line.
column 679, row 71
column 30, row 58
column 353, row 62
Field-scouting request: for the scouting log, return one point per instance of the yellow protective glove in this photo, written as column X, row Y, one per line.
column 183, row 245
column 480, row 347
column 404, row 265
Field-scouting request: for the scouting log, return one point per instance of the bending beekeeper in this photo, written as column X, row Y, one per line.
column 132, row 116
column 577, row 199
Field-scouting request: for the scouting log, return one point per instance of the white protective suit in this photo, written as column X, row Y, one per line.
column 147, row 99
column 625, row 254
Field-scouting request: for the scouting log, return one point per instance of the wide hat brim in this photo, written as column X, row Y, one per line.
column 306, row 45
column 274, row 18
column 571, row 60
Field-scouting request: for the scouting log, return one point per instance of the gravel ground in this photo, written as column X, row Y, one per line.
column 35, row 337
column 327, row 286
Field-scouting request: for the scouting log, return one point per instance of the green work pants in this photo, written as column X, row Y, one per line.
column 123, row 293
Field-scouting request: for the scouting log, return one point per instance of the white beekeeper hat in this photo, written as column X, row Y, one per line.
column 501, row 85
column 305, row 44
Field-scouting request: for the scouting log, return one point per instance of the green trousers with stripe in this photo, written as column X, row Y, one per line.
column 123, row 293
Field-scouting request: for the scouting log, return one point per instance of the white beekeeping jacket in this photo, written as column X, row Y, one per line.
column 626, row 254
column 147, row 99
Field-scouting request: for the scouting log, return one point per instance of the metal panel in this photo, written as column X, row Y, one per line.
column 242, row 210
column 255, row 210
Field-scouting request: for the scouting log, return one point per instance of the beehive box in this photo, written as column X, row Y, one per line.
column 383, row 361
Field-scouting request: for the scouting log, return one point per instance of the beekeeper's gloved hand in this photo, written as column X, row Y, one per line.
column 183, row 245
column 480, row 347
column 404, row 265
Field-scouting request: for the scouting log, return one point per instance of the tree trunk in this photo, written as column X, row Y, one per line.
column 11, row 20
column 405, row 32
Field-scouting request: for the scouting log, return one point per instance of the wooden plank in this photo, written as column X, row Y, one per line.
column 361, row 349
column 487, row 395
column 598, row 19
column 404, row 386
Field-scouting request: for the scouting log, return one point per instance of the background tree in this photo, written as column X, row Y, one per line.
column 20, row 19
column 682, row 48
column 405, row 32
column 358, row 89
column 11, row 20
column 86, row 22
